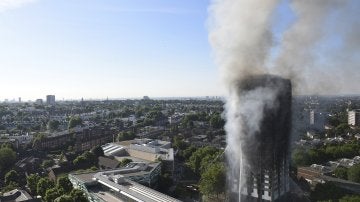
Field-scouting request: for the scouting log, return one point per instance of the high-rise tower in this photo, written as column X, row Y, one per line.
column 265, row 173
column 50, row 99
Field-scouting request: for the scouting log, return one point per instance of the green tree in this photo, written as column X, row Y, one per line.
column 326, row 191
column 37, row 139
column 212, row 181
column 197, row 157
column 43, row 185
column 11, row 176
column 64, row 198
column 79, row 161
column 188, row 152
column 51, row 194
column 98, row 151
column 53, row 125
column 64, row 184
column 216, row 121
column 179, row 143
column 47, row 163
column 7, row 158
column 354, row 173
column 122, row 136
column 85, row 160
column 165, row 182
column 125, row 161
column 341, row 172
column 342, row 129
column 351, row 198
column 300, row 157
column 90, row 157
column 32, row 181
column 10, row 186
column 78, row 195
column 75, row 121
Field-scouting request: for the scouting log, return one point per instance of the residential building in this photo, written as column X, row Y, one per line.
column 39, row 101
column 50, row 99
column 17, row 195
column 265, row 175
column 317, row 120
column 354, row 117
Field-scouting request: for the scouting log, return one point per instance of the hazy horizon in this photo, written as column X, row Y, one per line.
column 121, row 49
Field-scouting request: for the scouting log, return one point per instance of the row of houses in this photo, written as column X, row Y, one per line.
column 82, row 138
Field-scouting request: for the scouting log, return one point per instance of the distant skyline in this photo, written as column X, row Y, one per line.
column 115, row 48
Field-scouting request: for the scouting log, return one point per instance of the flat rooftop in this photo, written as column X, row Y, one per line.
column 125, row 187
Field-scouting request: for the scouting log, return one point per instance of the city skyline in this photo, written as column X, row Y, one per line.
column 124, row 49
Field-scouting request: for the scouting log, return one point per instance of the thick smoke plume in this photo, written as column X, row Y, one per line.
column 241, row 39
column 241, row 36
column 297, row 56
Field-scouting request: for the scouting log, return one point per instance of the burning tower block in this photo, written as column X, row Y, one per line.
column 266, row 153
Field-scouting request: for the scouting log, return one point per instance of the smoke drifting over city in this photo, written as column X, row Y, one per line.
column 241, row 34
column 320, row 45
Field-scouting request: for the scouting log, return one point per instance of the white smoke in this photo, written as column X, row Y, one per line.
column 297, row 59
column 240, row 34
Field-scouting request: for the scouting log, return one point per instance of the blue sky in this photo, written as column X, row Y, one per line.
column 113, row 48
column 109, row 48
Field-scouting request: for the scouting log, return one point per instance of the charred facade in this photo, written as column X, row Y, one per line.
column 266, row 153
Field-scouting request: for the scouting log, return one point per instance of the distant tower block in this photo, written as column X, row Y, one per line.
column 354, row 117
column 267, row 154
column 50, row 99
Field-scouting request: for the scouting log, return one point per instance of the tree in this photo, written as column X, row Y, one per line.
column 197, row 157
column 342, row 128
column 354, row 173
column 47, row 163
column 216, row 121
column 37, row 138
column 43, row 185
column 64, row 184
column 125, row 161
column 64, row 198
column 353, row 198
column 10, row 186
column 32, row 181
column 122, row 136
column 75, row 121
column 78, row 195
column 179, row 143
column 80, row 161
column 98, row 151
column 7, row 158
column 326, row 191
column 300, row 157
column 85, row 160
column 165, row 182
column 11, row 176
column 53, row 125
column 51, row 194
column 341, row 172
column 213, row 180
column 90, row 157
column 188, row 152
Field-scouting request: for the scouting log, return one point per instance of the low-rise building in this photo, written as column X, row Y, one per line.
column 124, row 184
column 17, row 195
column 146, row 150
